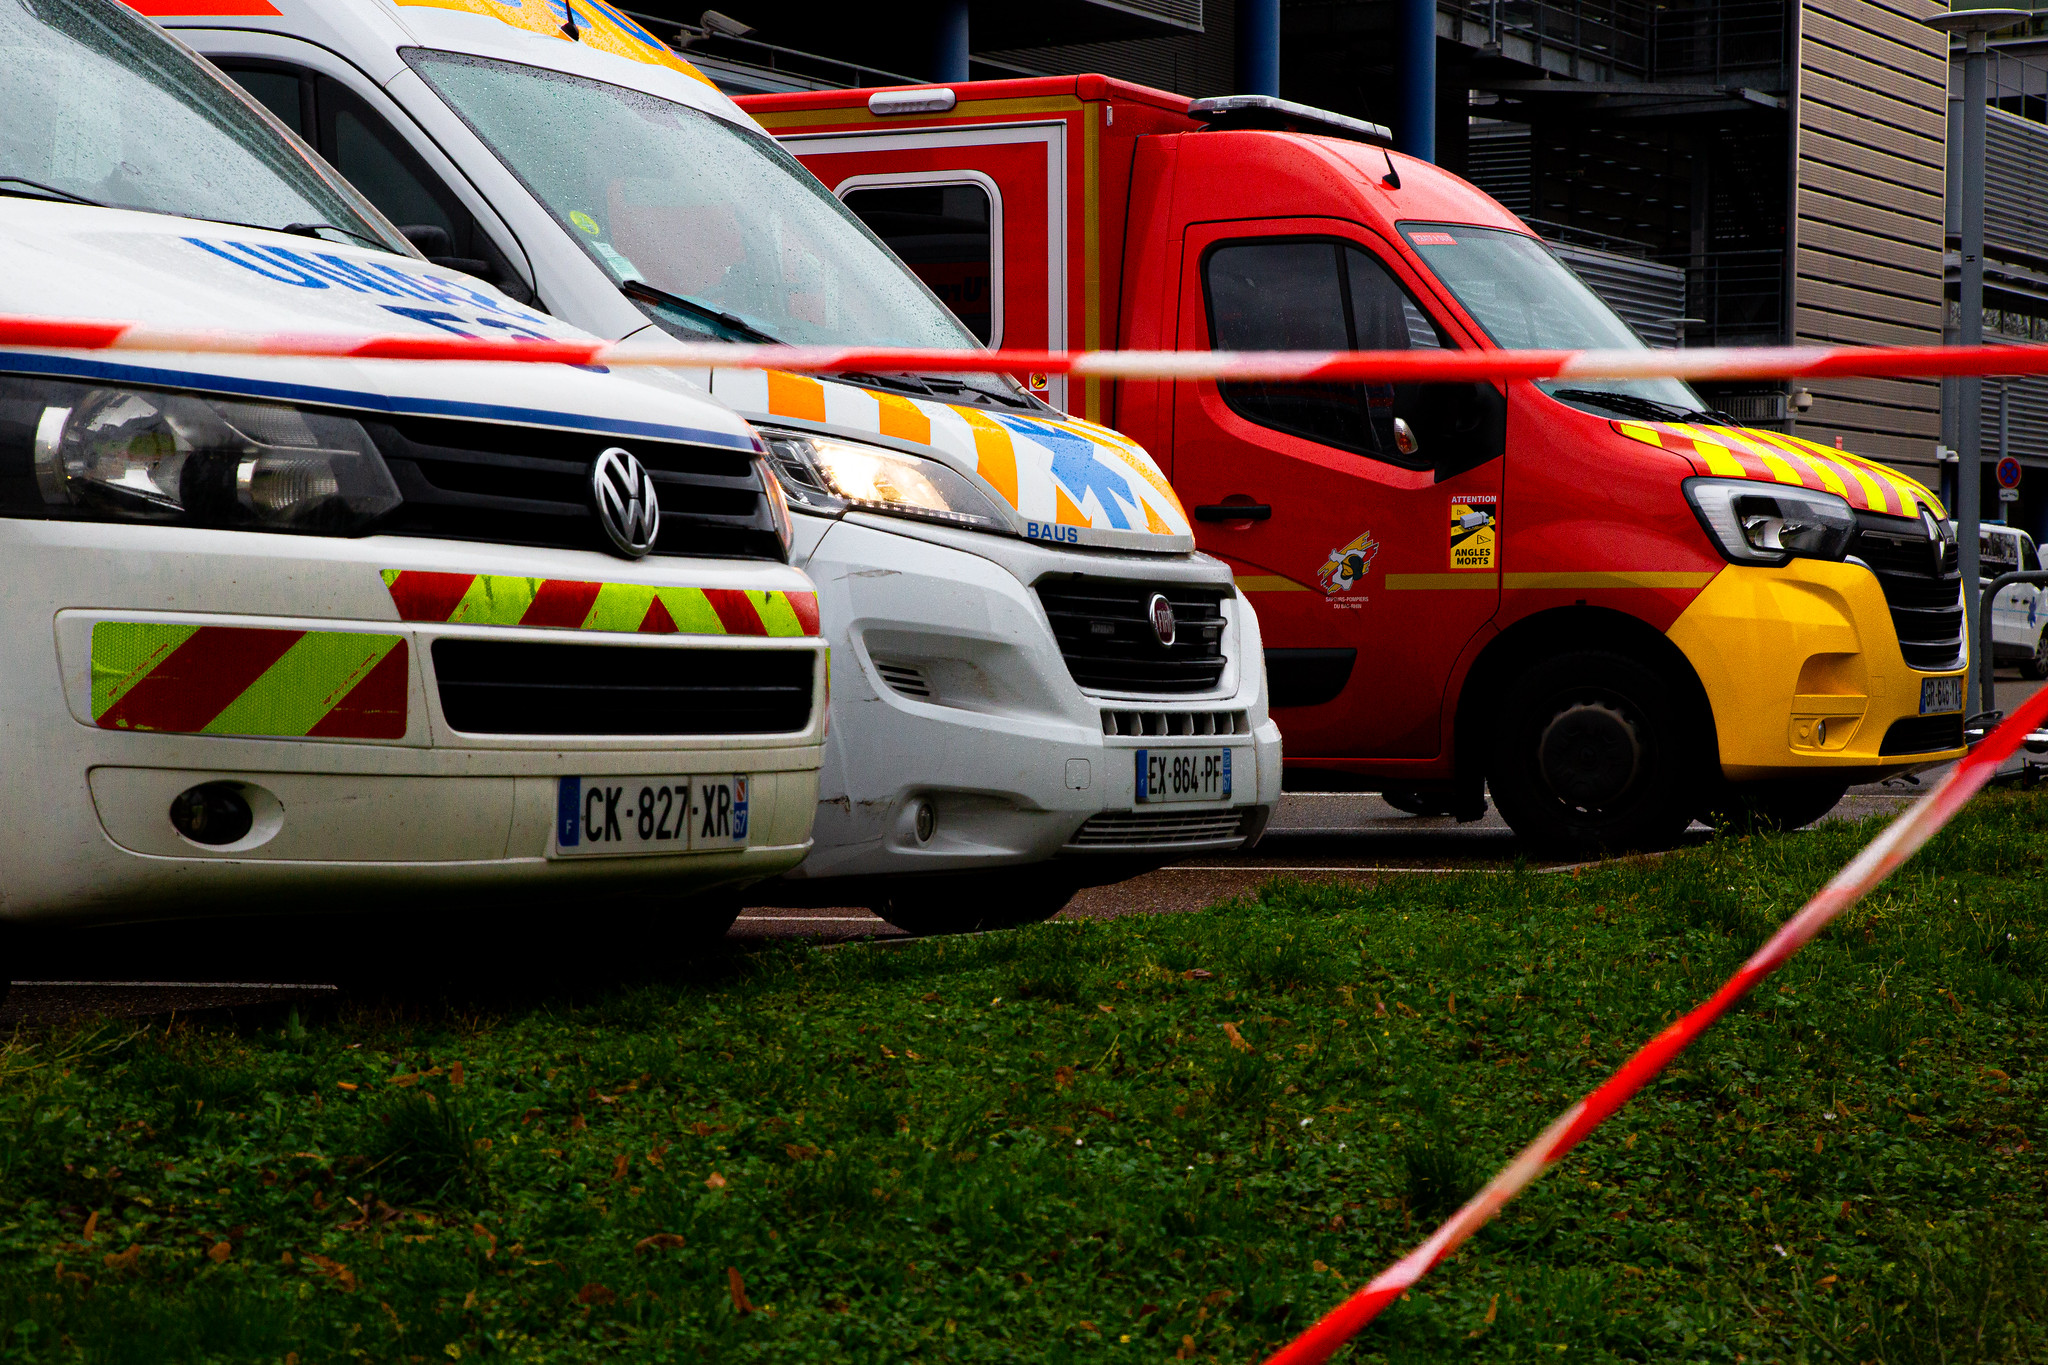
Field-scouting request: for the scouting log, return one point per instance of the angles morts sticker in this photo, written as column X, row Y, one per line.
column 1475, row 532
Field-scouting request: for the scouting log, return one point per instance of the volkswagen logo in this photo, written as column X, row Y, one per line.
column 626, row 502
column 1159, row 612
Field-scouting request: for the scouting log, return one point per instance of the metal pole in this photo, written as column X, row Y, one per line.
column 1415, row 77
column 1970, row 390
column 949, row 42
column 1258, row 47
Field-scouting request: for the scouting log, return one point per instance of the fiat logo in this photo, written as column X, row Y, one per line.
column 626, row 502
column 1160, row 612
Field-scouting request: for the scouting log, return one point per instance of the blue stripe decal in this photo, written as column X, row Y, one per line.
column 70, row 367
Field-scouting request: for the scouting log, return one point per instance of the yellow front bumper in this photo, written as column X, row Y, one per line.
column 1802, row 668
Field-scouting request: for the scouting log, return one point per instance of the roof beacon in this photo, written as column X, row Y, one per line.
column 1267, row 111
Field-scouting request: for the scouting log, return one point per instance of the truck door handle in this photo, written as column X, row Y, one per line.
column 1234, row 511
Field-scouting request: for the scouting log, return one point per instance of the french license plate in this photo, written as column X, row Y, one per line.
column 1183, row 775
column 609, row 816
column 1940, row 694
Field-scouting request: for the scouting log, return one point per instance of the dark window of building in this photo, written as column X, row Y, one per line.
column 1294, row 295
column 945, row 234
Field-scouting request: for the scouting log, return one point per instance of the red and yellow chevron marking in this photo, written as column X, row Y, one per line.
column 244, row 680
column 1768, row 457
column 565, row 604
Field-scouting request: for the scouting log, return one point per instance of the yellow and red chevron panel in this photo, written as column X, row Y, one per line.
column 248, row 680
column 1769, row 457
column 469, row 599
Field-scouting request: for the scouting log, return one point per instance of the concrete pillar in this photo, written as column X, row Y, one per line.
column 1415, row 78
column 949, row 42
column 1258, row 47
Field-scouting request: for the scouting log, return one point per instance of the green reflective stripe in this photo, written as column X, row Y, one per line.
column 619, row 606
column 124, row 652
column 496, row 600
column 776, row 613
column 297, row 691
column 691, row 610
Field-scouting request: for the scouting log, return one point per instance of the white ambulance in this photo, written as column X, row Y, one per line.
column 1037, row 683
column 295, row 633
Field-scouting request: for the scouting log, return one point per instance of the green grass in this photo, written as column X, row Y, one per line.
column 1044, row 1146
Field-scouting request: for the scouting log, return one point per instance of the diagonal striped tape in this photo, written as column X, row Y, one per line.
column 1878, row 860
column 246, row 680
column 569, row 604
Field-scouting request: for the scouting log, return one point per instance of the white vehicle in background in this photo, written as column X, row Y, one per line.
column 2019, row 616
column 291, row 633
column 1037, row 684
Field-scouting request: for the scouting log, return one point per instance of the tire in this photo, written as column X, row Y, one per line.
column 2035, row 666
column 926, row 906
column 1780, row 804
column 1594, row 754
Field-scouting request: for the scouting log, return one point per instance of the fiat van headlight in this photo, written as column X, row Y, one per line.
column 1760, row 523
column 149, row 455
column 827, row 474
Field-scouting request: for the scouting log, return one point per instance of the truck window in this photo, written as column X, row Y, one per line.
column 946, row 235
column 1316, row 295
column 2000, row 553
column 2029, row 560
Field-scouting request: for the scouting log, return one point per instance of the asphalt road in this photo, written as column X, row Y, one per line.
column 412, row 954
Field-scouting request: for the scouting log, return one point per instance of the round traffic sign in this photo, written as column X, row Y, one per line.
column 2008, row 472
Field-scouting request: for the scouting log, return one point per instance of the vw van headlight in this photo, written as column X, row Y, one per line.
column 149, row 455
column 826, row 474
column 1760, row 523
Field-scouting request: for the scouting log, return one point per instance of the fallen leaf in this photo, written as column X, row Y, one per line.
column 319, row 1200
column 1062, row 1077
column 1816, row 1146
column 930, row 997
column 795, row 1152
column 619, row 1168
column 455, row 1074
column 577, row 1123
column 1493, row 1310
column 595, row 1293
column 1379, row 1007
column 469, row 1299
column 407, row 1079
column 219, row 1252
column 701, row 1128
column 738, row 1287
column 1187, row 1349
column 654, row 1157
column 1215, row 1297
column 1105, row 1009
column 912, row 1055
column 123, row 1261
column 1237, row 1039
column 715, row 1181
column 344, row 1085
column 1198, row 974
column 660, row 1241
column 1087, row 1326
column 336, row 1271
column 92, row 1225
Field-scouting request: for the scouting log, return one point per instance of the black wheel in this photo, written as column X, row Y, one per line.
column 1416, row 802
column 1593, row 753
column 1779, row 804
column 2035, row 665
column 964, row 905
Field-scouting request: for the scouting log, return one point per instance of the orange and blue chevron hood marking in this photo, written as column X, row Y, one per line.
column 601, row 25
column 1067, row 480
column 1768, row 457
column 569, row 604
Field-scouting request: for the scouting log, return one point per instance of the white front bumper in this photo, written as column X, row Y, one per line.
column 432, row 810
column 1008, row 750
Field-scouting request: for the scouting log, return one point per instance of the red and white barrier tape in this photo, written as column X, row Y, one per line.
column 1900, row 841
column 1759, row 362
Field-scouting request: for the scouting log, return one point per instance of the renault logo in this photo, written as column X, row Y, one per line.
column 626, row 502
column 1160, row 612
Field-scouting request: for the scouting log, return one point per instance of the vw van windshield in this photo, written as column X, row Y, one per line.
column 98, row 107
column 714, row 229
column 1527, row 299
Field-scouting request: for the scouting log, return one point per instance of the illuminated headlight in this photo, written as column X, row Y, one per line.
column 148, row 455
column 829, row 475
column 1755, row 523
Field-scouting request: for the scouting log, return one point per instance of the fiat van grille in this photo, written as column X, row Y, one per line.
column 1922, row 583
column 521, row 687
column 1106, row 634
column 514, row 485
column 1162, row 829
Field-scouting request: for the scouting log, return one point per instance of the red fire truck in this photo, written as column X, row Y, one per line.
column 1604, row 602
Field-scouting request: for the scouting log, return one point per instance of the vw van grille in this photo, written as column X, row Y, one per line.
column 1922, row 583
column 519, row 687
column 1109, row 644
column 516, row 485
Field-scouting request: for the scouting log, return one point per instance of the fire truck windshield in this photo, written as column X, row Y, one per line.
column 1527, row 299
column 712, row 228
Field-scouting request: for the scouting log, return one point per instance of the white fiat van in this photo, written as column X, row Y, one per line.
column 1037, row 683
column 286, row 633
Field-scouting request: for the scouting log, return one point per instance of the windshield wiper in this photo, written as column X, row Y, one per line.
column 644, row 292
column 44, row 191
column 1633, row 405
column 314, row 230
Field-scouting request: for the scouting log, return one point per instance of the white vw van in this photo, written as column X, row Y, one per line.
column 285, row 633
column 1037, row 683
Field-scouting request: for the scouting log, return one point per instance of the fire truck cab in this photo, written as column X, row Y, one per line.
column 1602, row 601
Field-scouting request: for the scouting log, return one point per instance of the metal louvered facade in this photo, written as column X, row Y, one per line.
column 1649, row 295
column 2015, row 186
column 1869, row 158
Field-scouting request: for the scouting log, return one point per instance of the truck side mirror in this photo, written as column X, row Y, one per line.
column 1459, row 426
